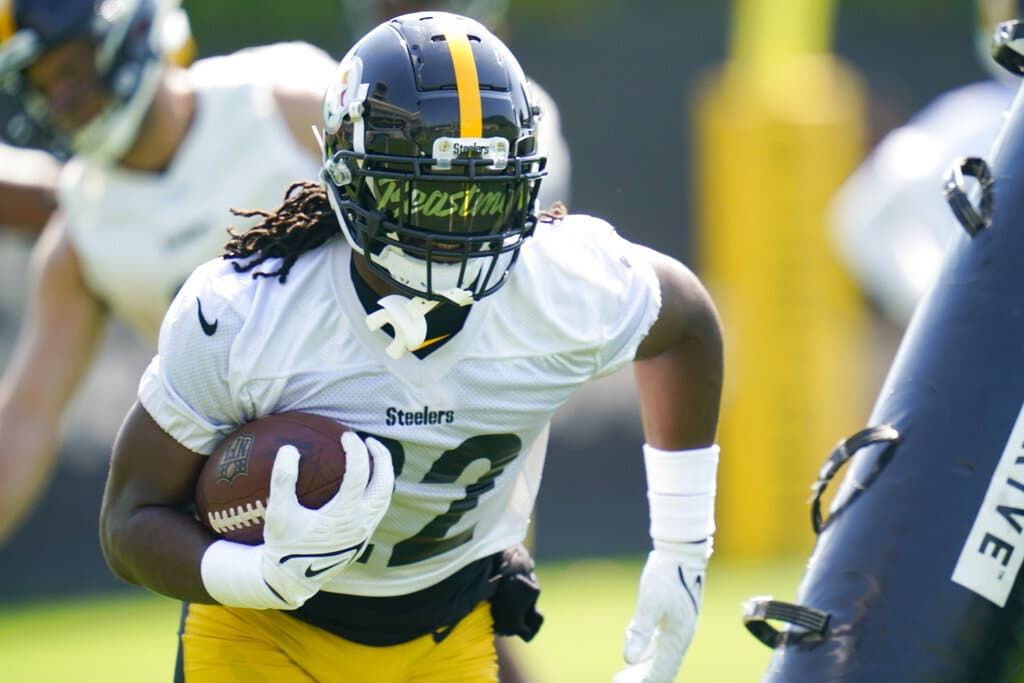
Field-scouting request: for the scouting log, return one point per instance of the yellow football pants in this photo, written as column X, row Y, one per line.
column 227, row 645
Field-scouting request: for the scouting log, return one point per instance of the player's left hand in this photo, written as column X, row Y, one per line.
column 303, row 547
column 671, row 589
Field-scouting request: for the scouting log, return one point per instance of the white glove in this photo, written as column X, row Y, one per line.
column 303, row 548
column 671, row 589
column 681, row 494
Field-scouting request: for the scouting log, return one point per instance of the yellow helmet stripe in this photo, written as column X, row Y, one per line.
column 6, row 19
column 467, row 84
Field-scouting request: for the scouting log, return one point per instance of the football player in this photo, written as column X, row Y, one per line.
column 361, row 16
column 156, row 155
column 889, row 219
column 416, row 295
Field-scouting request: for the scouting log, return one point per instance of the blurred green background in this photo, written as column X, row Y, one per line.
column 586, row 602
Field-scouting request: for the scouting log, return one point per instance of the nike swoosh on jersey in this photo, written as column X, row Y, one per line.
column 431, row 341
column 209, row 329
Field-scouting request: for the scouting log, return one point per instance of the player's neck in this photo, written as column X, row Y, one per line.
column 164, row 126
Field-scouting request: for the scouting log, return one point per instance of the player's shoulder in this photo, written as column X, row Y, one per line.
column 220, row 277
column 214, row 296
column 574, row 236
column 580, row 285
column 229, row 286
column 969, row 100
column 578, row 251
column 573, row 226
column 288, row 64
column 964, row 120
column 962, row 110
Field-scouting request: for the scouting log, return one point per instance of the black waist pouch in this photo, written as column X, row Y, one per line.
column 514, row 602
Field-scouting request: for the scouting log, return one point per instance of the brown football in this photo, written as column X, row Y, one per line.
column 234, row 484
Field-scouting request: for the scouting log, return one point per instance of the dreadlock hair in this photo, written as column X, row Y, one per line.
column 555, row 213
column 302, row 222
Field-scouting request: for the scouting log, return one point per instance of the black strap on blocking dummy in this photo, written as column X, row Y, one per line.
column 973, row 219
column 759, row 610
column 843, row 452
column 1002, row 51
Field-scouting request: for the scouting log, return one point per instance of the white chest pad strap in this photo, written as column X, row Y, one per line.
column 681, row 487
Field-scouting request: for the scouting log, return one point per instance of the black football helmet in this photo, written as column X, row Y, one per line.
column 132, row 38
column 430, row 155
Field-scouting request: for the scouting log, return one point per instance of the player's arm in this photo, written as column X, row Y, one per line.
column 300, row 98
column 300, row 108
column 26, row 205
column 187, row 404
column 55, row 346
column 147, row 535
column 150, row 539
column 678, row 368
column 27, row 189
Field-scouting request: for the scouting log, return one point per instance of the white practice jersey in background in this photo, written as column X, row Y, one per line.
column 139, row 235
column 890, row 218
column 557, row 184
column 461, row 423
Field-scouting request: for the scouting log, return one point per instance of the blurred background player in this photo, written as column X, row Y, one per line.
column 890, row 220
column 27, row 189
column 156, row 155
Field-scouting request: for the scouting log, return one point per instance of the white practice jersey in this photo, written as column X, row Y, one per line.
column 139, row 235
column 891, row 222
column 461, row 423
column 557, row 184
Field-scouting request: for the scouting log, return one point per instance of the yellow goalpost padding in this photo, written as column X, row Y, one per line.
column 779, row 126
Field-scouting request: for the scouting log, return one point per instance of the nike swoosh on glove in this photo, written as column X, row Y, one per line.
column 671, row 590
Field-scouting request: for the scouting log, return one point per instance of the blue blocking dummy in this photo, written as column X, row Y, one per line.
column 915, row 575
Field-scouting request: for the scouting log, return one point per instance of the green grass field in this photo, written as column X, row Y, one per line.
column 587, row 605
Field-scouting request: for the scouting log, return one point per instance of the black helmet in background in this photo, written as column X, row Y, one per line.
column 132, row 41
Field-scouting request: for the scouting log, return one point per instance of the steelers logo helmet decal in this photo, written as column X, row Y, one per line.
column 344, row 91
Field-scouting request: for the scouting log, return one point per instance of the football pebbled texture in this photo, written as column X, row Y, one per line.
column 234, row 483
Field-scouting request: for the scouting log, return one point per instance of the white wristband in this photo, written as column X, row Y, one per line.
column 681, row 489
column 232, row 574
